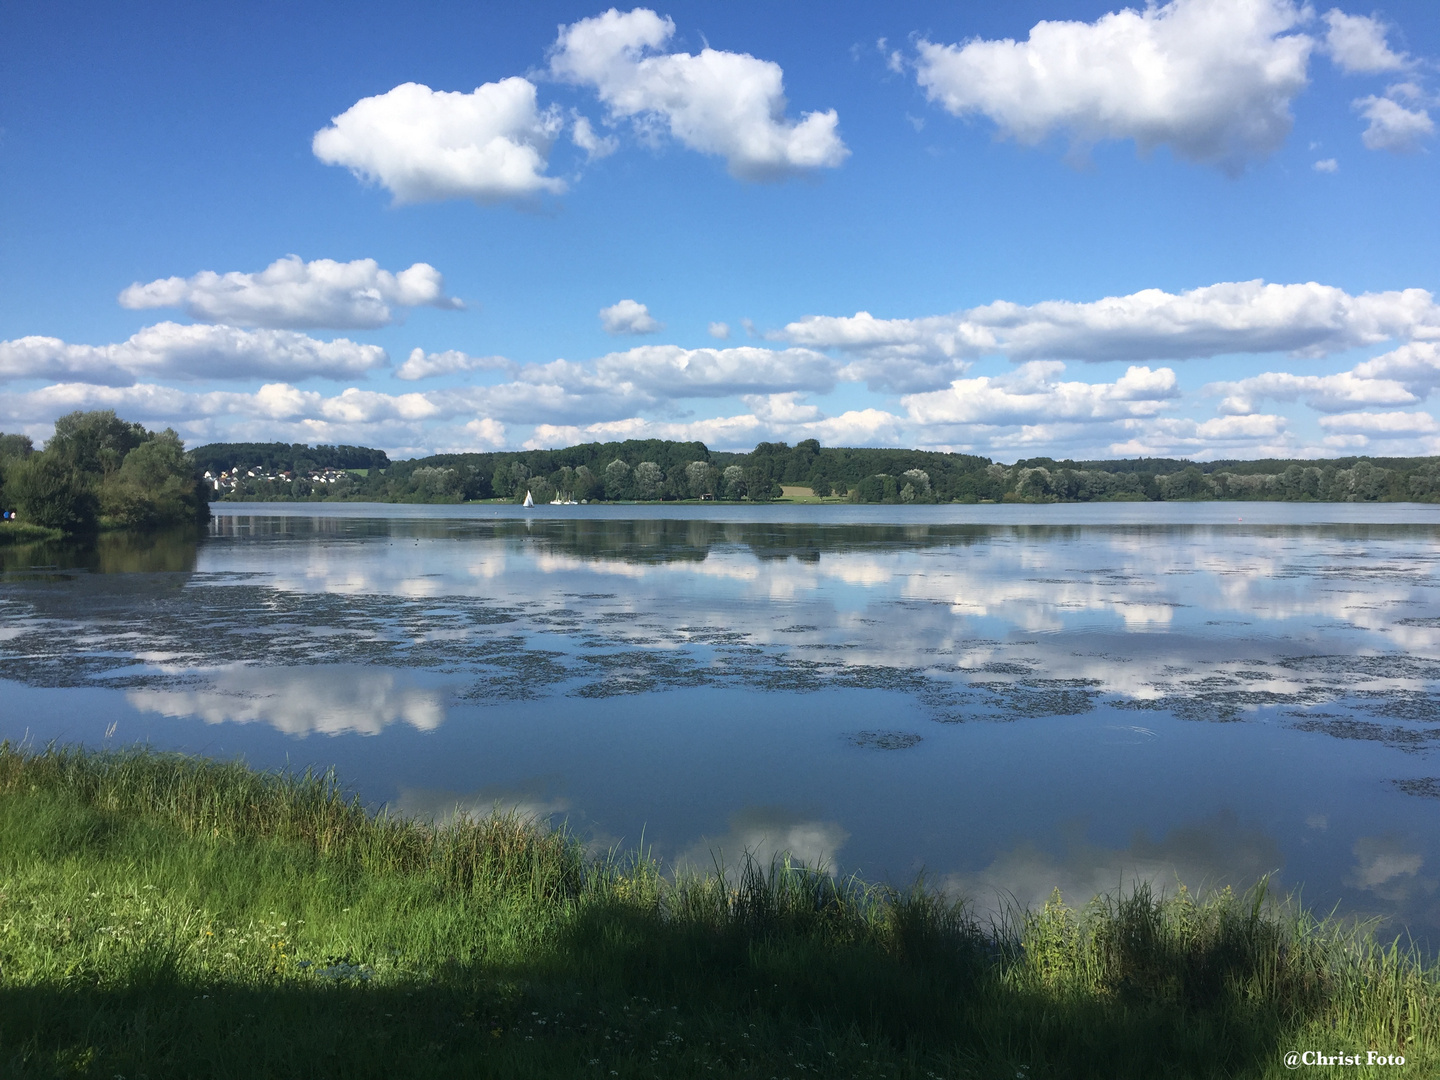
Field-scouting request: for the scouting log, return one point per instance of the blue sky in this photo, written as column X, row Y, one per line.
column 1202, row 229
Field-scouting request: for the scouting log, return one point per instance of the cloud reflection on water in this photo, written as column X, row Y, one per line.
column 1389, row 867
column 314, row 700
column 534, row 802
column 766, row 834
column 1203, row 855
column 1028, row 579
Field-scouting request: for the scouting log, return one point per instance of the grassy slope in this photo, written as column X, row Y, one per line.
column 162, row 916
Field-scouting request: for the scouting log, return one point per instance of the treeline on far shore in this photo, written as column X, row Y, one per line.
column 657, row 470
column 98, row 472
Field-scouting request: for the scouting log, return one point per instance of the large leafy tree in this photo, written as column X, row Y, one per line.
column 97, row 469
column 13, row 450
column 154, row 485
column 95, row 442
column 50, row 492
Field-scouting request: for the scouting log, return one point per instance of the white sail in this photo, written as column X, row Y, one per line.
column 529, row 500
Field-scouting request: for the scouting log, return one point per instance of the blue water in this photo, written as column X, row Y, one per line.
column 1011, row 699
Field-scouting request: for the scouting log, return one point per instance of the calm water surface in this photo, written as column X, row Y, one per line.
column 1009, row 698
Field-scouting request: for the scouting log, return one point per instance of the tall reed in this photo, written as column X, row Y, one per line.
column 228, row 800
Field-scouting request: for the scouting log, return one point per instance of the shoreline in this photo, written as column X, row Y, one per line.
column 1119, row 514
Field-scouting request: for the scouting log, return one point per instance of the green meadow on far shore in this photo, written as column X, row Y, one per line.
column 169, row 916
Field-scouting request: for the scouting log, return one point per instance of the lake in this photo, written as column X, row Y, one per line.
column 1008, row 698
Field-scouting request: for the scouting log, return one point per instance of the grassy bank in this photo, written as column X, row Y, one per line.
column 18, row 532
column 164, row 916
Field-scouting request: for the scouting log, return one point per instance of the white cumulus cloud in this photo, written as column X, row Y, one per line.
column 629, row 317
column 1391, row 125
column 1357, row 44
column 906, row 355
column 424, row 145
column 189, row 352
column 788, row 408
column 1260, row 435
column 728, row 104
column 1231, row 317
column 1034, row 394
column 149, row 401
column 293, row 294
column 1232, row 428
column 1386, row 424
column 423, row 365
column 855, row 427
column 1324, row 393
column 669, row 371
column 278, row 410
column 1403, row 376
column 1211, row 79
column 1417, row 365
column 582, row 134
column 487, row 433
column 619, row 385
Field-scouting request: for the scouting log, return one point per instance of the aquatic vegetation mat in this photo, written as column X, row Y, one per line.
column 975, row 623
column 885, row 740
column 171, row 916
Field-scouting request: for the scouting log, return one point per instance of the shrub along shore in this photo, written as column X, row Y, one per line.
column 172, row 916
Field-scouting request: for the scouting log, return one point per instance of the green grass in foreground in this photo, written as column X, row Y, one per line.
column 163, row 916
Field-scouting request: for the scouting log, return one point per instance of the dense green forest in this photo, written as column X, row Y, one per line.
column 98, row 471
column 649, row 470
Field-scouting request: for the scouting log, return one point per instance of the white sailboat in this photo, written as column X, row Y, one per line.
column 529, row 499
